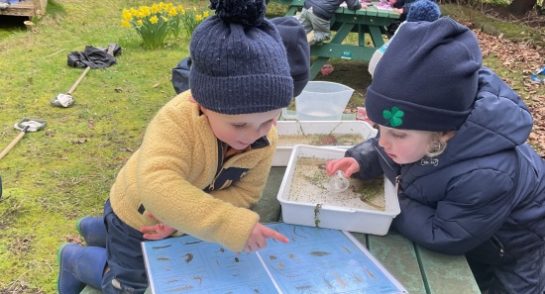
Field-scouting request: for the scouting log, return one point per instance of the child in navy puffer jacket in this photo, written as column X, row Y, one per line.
column 452, row 135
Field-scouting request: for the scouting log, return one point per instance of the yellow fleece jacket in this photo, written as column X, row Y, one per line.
column 174, row 176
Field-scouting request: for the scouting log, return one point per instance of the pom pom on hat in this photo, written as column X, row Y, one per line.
column 239, row 63
column 247, row 13
column 427, row 79
column 423, row 10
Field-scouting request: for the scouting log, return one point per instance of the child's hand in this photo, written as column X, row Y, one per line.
column 158, row 231
column 348, row 165
column 259, row 235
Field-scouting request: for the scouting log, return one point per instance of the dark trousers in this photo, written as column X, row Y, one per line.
column 524, row 274
column 125, row 271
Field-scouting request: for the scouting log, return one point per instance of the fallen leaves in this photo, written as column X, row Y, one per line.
column 521, row 59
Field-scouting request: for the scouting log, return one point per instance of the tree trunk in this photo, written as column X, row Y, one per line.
column 520, row 7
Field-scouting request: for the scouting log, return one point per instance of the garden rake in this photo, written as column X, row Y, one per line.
column 25, row 125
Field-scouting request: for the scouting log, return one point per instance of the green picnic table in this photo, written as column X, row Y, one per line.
column 370, row 20
column 417, row 269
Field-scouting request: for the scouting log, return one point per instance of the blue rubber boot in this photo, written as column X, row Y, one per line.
column 93, row 230
column 80, row 266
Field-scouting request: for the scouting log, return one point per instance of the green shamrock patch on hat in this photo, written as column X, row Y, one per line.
column 394, row 116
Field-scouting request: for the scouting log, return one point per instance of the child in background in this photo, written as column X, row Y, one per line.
column 316, row 16
column 205, row 156
column 421, row 10
column 402, row 7
column 452, row 135
column 399, row 7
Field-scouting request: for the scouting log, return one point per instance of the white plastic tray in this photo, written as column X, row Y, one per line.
column 334, row 217
column 282, row 155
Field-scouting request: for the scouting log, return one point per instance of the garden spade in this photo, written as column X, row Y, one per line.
column 25, row 125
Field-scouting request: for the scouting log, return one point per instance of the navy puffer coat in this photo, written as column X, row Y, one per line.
column 484, row 196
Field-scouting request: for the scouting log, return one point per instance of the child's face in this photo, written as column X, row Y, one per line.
column 405, row 146
column 240, row 131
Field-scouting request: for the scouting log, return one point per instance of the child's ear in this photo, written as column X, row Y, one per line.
column 445, row 136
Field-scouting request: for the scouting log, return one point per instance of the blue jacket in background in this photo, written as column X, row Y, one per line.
column 485, row 195
column 326, row 8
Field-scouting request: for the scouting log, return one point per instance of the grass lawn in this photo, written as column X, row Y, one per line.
column 55, row 176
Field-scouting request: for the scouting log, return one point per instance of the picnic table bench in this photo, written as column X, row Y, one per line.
column 29, row 8
column 417, row 269
column 370, row 21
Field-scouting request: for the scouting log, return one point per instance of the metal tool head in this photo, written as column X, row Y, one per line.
column 30, row 125
column 63, row 100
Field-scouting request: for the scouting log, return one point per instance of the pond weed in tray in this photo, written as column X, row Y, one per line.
column 309, row 184
column 365, row 207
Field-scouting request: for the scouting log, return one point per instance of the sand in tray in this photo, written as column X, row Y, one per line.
column 309, row 185
column 320, row 139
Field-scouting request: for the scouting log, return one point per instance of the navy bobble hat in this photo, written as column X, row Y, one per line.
column 239, row 64
column 427, row 79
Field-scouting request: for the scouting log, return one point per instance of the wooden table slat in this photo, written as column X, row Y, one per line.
column 398, row 256
column 268, row 206
column 445, row 274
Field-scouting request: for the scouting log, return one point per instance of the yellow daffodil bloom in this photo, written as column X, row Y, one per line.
column 125, row 23
column 172, row 12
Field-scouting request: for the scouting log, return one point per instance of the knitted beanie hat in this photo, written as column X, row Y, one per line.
column 423, row 10
column 239, row 64
column 295, row 40
column 427, row 79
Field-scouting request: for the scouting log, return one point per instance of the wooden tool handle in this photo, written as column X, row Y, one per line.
column 13, row 143
column 73, row 88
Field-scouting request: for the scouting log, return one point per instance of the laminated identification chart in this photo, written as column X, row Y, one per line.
column 314, row 261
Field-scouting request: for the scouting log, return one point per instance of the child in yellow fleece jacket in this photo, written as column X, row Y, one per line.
column 205, row 156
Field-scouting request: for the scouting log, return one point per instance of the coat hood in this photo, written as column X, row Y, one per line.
column 499, row 120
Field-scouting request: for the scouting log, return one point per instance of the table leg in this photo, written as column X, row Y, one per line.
column 327, row 50
column 376, row 36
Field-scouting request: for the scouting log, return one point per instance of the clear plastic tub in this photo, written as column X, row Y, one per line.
column 321, row 100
